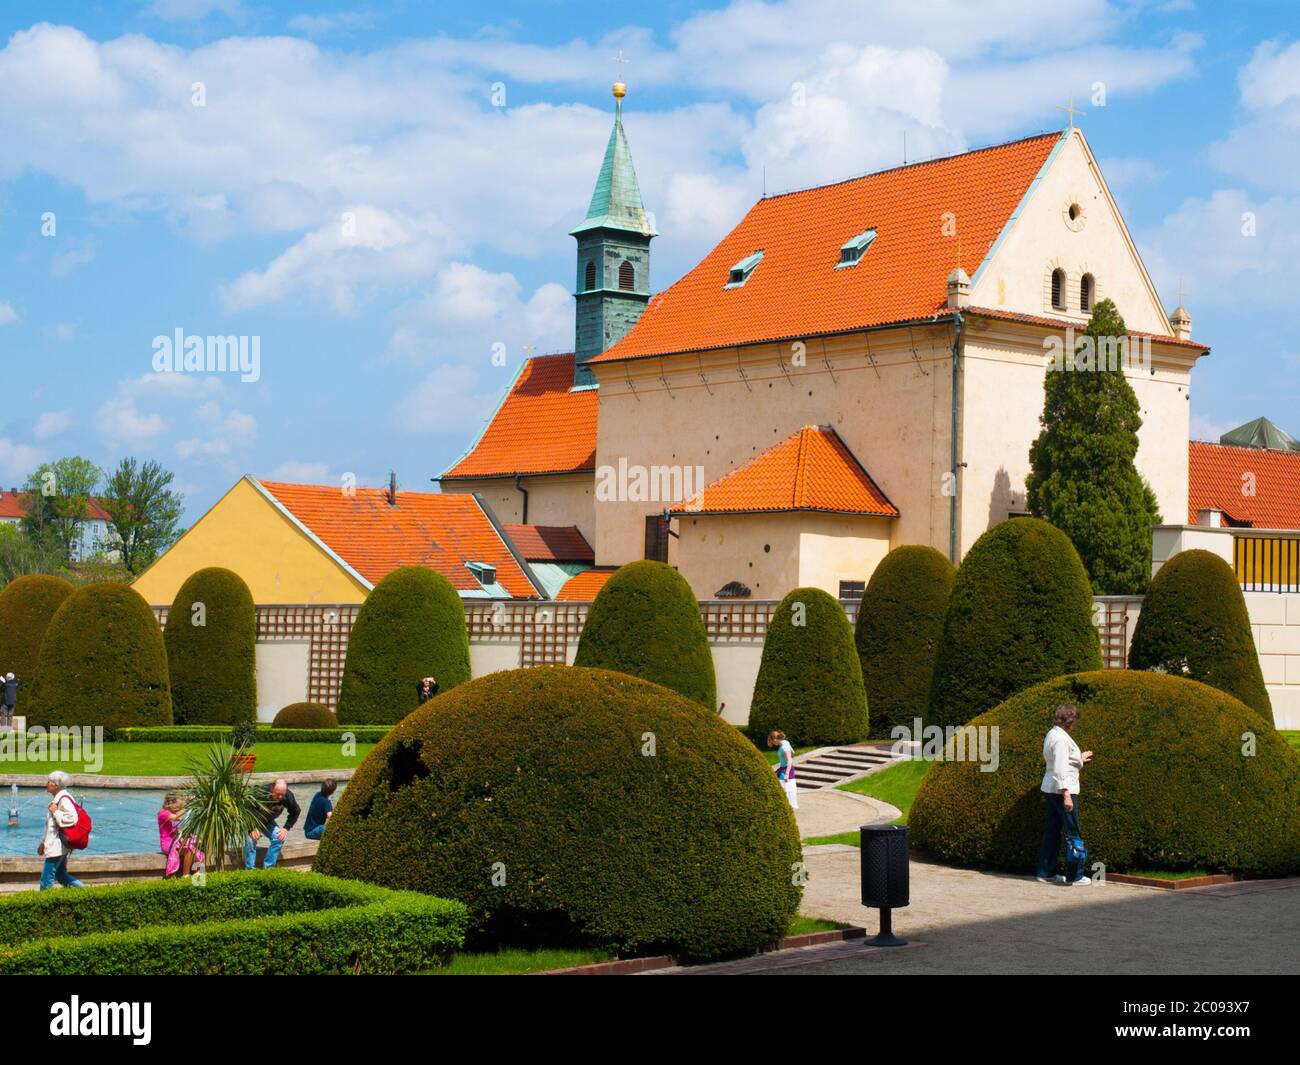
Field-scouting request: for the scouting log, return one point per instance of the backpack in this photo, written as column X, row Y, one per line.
column 77, row 837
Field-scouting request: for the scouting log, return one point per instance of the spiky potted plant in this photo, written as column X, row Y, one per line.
column 222, row 807
column 243, row 737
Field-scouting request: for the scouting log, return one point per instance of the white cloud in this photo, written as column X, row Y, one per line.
column 8, row 316
column 1265, row 149
column 222, row 435
column 337, row 22
column 1205, row 428
column 192, row 10
column 17, row 460
column 52, row 423
column 63, row 332
column 79, row 254
column 449, row 400
column 296, row 471
column 119, row 421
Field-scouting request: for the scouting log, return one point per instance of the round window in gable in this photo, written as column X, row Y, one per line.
column 1074, row 215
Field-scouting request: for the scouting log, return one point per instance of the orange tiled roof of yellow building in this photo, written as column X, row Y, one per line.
column 811, row 469
column 582, row 587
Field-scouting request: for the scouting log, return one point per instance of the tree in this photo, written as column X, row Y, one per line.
column 58, row 496
column 21, row 556
column 1082, row 474
column 211, row 639
column 143, row 512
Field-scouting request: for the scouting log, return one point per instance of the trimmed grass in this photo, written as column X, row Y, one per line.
column 852, row 839
column 1165, row 874
column 170, row 759
column 508, row 962
column 802, row 926
column 896, row 785
column 1292, row 736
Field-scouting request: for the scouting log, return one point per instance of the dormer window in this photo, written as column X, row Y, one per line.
column 740, row 272
column 484, row 572
column 852, row 250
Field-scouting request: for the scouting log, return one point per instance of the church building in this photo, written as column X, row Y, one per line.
column 853, row 367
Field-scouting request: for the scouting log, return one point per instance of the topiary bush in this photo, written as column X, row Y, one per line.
column 575, row 806
column 1170, row 785
column 1020, row 612
column 809, row 682
column 305, row 715
column 411, row 625
column 1194, row 613
column 102, row 662
column 210, row 638
column 645, row 622
column 900, row 623
column 26, row 607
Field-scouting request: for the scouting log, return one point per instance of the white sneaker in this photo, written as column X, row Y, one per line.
column 1082, row 880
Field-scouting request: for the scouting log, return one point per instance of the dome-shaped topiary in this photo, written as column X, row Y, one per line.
column 1170, row 786
column 578, row 806
column 412, row 625
column 26, row 606
column 1194, row 613
column 305, row 715
column 645, row 622
column 210, row 637
column 809, row 683
column 102, row 662
column 900, row 623
column 1020, row 612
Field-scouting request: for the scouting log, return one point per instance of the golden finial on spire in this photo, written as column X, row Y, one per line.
column 619, row 89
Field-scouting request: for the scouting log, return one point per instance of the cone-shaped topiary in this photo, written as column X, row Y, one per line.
column 646, row 622
column 411, row 625
column 1194, row 613
column 576, row 806
column 900, row 623
column 1020, row 612
column 809, row 683
column 210, row 636
column 1170, row 785
column 26, row 607
column 102, row 662
column 305, row 715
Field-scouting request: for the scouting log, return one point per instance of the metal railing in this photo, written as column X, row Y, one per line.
column 1266, row 561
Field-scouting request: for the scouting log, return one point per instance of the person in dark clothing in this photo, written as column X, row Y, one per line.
column 426, row 688
column 275, row 799
column 10, row 696
column 319, row 811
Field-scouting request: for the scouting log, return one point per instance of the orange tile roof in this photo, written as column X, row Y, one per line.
column 539, row 427
column 582, row 587
column 424, row 529
column 811, row 469
column 14, row 505
column 550, row 543
column 1216, row 474
column 796, row 291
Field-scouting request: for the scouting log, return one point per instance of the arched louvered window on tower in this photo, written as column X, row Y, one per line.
column 1086, row 295
column 1058, row 289
column 591, row 278
column 626, row 276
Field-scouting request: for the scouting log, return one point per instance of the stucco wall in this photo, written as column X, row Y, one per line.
column 559, row 499
column 760, row 550
column 836, row 547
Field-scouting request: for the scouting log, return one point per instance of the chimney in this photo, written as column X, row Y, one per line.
column 1182, row 323
column 392, row 488
column 958, row 289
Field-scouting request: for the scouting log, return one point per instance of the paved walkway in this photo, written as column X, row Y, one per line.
column 829, row 812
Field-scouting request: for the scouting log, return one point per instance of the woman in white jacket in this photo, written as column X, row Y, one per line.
column 1060, row 787
column 61, row 814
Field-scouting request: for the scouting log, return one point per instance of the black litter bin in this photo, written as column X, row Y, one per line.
column 885, row 882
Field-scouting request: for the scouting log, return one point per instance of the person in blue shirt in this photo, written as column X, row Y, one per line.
column 320, row 810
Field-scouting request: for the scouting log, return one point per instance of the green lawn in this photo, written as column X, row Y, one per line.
column 169, row 759
column 1292, row 736
column 896, row 785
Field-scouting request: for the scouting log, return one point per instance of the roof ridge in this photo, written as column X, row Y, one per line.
column 800, row 494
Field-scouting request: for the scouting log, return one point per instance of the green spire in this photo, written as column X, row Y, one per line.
column 616, row 201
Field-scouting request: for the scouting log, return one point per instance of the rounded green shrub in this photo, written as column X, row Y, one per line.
column 102, row 662
column 1194, row 623
column 645, row 622
column 1171, row 785
column 900, row 623
column 210, row 638
column 575, row 806
column 305, row 715
column 411, row 625
column 26, row 606
column 1020, row 612
column 809, row 682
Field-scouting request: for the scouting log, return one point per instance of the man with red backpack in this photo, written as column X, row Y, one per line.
column 63, row 815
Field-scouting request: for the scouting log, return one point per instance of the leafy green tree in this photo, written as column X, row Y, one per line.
column 58, row 501
column 21, row 556
column 143, row 512
column 1082, row 474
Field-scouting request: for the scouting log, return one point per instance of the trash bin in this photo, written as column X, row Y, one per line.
column 885, row 881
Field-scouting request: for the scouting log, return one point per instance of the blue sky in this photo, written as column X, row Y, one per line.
column 349, row 193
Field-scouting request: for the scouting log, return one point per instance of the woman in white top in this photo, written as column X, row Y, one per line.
column 1063, row 760
column 61, row 814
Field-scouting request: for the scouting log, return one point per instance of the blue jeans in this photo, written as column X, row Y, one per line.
column 315, row 833
column 272, row 850
column 57, row 869
column 1059, row 821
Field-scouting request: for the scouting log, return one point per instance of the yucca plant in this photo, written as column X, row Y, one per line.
column 223, row 805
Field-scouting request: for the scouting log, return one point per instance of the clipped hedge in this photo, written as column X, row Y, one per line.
column 26, row 607
column 411, row 625
column 272, row 922
column 576, row 806
column 900, row 624
column 809, row 682
column 1170, row 786
column 305, row 715
column 1020, row 612
column 265, row 734
column 1194, row 613
column 210, row 638
column 645, row 622
column 102, row 662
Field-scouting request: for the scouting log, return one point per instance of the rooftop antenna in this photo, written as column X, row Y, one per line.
column 765, row 181
column 905, row 147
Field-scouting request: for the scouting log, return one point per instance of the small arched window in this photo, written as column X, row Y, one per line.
column 1086, row 286
column 626, row 276
column 591, row 278
column 1058, row 289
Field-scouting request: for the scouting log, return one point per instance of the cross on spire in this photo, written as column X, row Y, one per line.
column 1071, row 110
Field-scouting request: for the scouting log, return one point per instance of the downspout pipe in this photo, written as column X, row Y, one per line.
column 958, row 322
column 519, row 487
